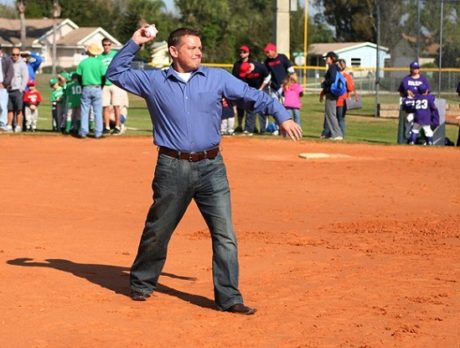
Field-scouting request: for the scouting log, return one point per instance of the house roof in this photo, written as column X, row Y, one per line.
column 80, row 36
column 320, row 49
column 10, row 33
column 38, row 30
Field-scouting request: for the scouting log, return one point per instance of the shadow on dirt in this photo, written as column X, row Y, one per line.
column 114, row 278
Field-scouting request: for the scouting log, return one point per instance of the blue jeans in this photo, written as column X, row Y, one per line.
column 3, row 106
column 250, row 123
column 175, row 184
column 295, row 114
column 341, row 111
column 91, row 96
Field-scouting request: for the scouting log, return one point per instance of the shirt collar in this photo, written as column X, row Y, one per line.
column 170, row 72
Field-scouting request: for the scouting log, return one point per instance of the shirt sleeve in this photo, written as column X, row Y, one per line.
column 25, row 76
column 121, row 74
column 252, row 99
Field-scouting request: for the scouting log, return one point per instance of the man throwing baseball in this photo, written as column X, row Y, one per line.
column 184, row 103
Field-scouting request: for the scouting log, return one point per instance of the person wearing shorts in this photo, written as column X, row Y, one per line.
column 112, row 96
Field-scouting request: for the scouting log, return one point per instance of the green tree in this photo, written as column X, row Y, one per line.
column 225, row 25
column 353, row 20
column 136, row 13
column 316, row 31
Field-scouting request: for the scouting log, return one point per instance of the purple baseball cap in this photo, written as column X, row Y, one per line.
column 414, row 65
column 422, row 88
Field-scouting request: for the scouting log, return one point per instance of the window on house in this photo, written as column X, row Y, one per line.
column 356, row 62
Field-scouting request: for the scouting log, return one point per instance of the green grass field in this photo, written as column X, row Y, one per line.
column 362, row 126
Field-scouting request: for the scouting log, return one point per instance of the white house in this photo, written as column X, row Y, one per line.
column 360, row 57
column 160, row 54
column 70, row 39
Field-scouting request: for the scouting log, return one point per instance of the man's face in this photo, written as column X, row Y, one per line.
column 187, row 54
column 107, row 45
column 15, row 54
column 270, row 54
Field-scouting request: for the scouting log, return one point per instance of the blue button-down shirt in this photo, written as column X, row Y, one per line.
column 186, row 115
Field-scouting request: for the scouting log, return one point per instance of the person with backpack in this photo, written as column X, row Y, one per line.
column 333, row 86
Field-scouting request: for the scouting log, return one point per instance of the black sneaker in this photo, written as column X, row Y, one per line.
column 116, row 131
column 106, row 131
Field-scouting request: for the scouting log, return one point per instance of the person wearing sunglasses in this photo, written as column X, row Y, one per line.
column 111, row 94
column 16, row 90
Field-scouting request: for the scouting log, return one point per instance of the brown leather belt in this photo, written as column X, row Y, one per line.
column 190, row 156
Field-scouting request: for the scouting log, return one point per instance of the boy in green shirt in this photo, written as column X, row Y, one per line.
column 72, row 101
column 56, row 97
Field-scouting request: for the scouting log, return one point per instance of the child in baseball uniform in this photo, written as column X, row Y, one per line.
column 56, row 97
column 72, row 104
column 32, row 98
column 426, row 115
column 228, row 118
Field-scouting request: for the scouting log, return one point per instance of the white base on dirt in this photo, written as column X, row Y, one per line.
column 321, row 155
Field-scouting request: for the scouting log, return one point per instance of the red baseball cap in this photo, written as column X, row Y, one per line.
column 270, row 47
column 31, row 83
column 245, row 48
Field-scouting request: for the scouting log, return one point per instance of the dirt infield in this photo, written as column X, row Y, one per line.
column 360, row 249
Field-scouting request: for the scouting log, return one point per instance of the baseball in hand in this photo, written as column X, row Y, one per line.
column 150, row 31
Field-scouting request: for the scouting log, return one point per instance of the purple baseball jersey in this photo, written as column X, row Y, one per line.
column 425, row 110
column 409, row 83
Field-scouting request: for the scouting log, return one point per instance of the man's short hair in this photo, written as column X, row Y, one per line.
column 106, row 39
column 176, row 35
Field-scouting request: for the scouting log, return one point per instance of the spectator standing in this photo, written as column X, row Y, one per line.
column 292, row 93
column 123, row 112
column 6, row 75
column 32, row 98
column 279, row 66
column 341, row 100
column 256, row 75
column 228, row 118
column 184, row 103
column 111, row 94
column 16, row 91
column 331, row 125
column 92, row 74
column 236, row 71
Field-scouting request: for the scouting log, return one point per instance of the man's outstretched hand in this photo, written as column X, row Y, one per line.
column 291, row 129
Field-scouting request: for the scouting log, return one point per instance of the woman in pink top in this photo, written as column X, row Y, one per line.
column 292, row 92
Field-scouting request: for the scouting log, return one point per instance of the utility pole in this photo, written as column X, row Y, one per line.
column 418, row 31
column 440, row 49
column 21, row 8
column 282, row 26
column 55, row 13
column 377, row 70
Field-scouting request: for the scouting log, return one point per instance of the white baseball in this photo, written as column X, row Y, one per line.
column 151, row 31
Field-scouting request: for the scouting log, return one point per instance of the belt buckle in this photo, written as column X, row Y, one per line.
column 190, row 157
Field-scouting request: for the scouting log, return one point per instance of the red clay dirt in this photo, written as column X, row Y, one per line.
column 358, row 251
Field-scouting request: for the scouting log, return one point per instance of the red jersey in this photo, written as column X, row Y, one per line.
column 32, row 97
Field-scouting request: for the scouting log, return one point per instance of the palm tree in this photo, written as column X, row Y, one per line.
column 21, row 7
